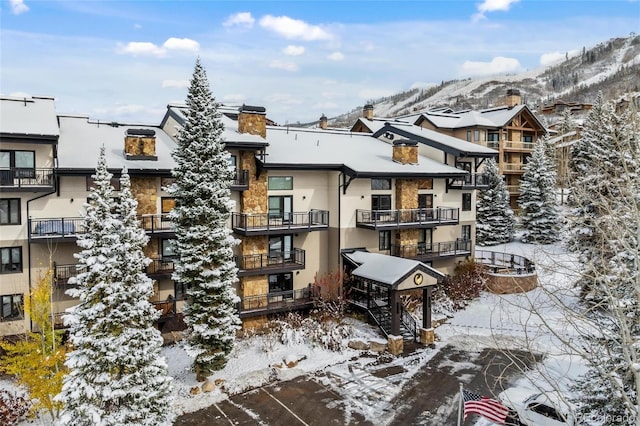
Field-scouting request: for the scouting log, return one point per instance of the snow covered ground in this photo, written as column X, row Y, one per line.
column 499, row 321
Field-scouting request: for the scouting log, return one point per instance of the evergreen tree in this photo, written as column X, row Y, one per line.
column 610, row 188
column 116, row 373
column 495, row 220
column 540, row 216
column 204, row 244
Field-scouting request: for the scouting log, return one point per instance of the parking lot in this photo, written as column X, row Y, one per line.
column 352, row 395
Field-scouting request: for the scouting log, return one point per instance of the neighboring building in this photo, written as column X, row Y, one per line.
column 512, row 130
column 307, row 202
column 559, row 106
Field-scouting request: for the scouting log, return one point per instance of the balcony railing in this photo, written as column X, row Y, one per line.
column 263, row 224
column 500, row 262
column 26, row 179
column 518, row 146
column 160, row 267
column 513, row 189
column 493, row 144
column 273, row 262
column 512, row 167
column 470, row 181
column 70, row 227
column 424, row 251
column 62, row 273
column 408, row 218
column 283, row 301
column 240, row 180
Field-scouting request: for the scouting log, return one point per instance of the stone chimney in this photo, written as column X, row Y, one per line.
column 513, row 98
column 405, row 151
column 367, row 112
column 252, row 120
column 140, row 144
column 323, row 122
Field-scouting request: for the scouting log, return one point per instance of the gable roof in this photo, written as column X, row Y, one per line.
column 33, row 118
column 490, row 117
column 448, row 144
column 357, row 154
column 384, row 269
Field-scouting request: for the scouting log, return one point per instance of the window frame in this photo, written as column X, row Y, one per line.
column 91, row 183
column 283, row 282
column 165, row 243
column 271, row 183
column 9, row 222
column 381, row 184
column 465, row 232
column 384, row 240
column 21, row 172
column 17, row 308
column 376, row 202
column 466, row 202
column 11, row 260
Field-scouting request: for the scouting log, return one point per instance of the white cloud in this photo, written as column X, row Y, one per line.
column 137, row 26
column 555, row 57
column 141, row 48
column 326, row 106
column 242, row 19
column 178, row 84
column 336, row 56
column 234, row 98
column 282, row 99
column 185, row 44
column 369, row 94
column 421, row 85
column 18, row 7
column 292, row 50
column 287, row 66
column 294, row 29
column 146, row 48
column 492, row 6
column 498, row 65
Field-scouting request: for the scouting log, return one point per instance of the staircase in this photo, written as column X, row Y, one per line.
column 381, row 316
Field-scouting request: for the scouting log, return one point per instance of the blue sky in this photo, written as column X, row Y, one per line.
column 117, row 60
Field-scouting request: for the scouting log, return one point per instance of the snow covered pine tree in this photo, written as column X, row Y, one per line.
column 495, row 220
column 204, row 245
column 117, row 376
column 540, row 216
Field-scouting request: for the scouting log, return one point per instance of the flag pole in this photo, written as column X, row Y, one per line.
column 460, row 407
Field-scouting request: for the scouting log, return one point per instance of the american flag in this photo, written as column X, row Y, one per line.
column 486, row 407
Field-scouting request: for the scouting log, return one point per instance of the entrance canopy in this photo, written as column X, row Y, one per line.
column 396, row 273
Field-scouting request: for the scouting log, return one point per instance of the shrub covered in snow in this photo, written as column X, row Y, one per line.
column 13, row 407
column 294, row 329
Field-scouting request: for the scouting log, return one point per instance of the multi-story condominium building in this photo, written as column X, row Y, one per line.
column 391, row 207
column 511, row 129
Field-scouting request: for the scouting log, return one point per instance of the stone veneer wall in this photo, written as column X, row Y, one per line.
column 509, row 284
column 252, row 123
column 145, row 189
column 407, row 198
column 405, row 154
column 139, row 145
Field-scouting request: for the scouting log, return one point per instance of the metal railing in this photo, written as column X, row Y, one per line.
column 277, row 301
column 512, row 167
column 498, row 262
column 160, row 267
column 294, row 221
column 241, row 179
column 64, row 227
column 155, row 223
column 409, row 323
column 394, row 218
column 280, row 260
column 472, row 180
column 21, row 177
column 62, row 273
column 427, row 251
column 525, row 146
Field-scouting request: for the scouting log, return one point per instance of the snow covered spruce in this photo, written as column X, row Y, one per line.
column 204, row 245
column 116, row 373
column 495, row 220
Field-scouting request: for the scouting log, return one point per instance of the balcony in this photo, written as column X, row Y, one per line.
column 62, row 273
column 26, row 179
column 409, row 218
column 424, row 251
column 471, row 181
column 513, row 189
column 270, row 263
column 160, row 268
column 512, row 167
column 271, row 303
column 166, row 308
column 68, row 228
column 287, row 223
column 516, row 146
column 240, row 181
column 493, row 144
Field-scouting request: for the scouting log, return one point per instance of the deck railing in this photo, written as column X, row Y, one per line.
column 472, row 180
column 282, row 222
column 71, row 227
column 29, row 178
column 395, row 218
column 498, row 262
column 282, row 301
column 458, row 247
column 280, row 260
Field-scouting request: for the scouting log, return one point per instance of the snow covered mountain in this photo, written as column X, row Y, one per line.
column 612, row 67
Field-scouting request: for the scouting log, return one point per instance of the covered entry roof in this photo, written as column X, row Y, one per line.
column 391, row 271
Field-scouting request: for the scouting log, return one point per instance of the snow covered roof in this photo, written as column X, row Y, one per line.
column 376, row 124
column 387, row 269
column 449, row 144
column 229, row 118
column 81, row 139
column 33, row 117
column 358, row 153
column 491, row 117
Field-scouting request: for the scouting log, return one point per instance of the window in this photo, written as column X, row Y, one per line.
column 166, row 247
column 425, row 239
column 280, row 182
column 280, row 207
column 11, row 260
column 115, row 182
column 166, row 182
column 466, row 232
column 12, row 307
column 180, row 290
column 380, row 184
column 280, row 246
column 466, row 202
column 384, row 240
column 527, row 138
column 476, row 135
column 10, row 211
column 21, row 164
column 280, row 282
column 380, row 202
column 468, row 135
column 167, row 204
column 494, row 137
column 425, row 201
